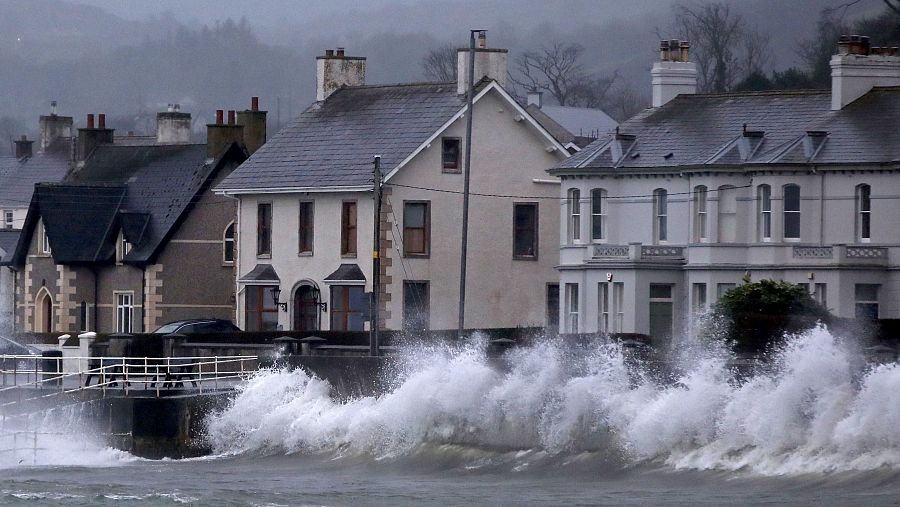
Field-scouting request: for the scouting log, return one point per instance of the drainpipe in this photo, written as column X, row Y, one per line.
column 143, row 298
column 821, row 208
column 96, row 301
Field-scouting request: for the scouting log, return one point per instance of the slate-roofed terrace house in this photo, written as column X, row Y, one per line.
column 133, row 237
column 306, row 210
column 689, row 197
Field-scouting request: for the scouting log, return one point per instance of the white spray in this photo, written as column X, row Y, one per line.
column 811, row 415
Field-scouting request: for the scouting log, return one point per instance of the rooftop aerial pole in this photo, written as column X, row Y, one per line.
column 470, row 92
column 376, row 261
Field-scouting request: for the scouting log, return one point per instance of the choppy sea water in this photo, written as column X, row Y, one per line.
column 557, row 426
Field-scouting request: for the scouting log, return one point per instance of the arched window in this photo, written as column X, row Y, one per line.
column 573, row 204
column 660, row 215
column 598, row 214
column 791, row 212
column 863, row 213
column 727, row 214
column 43, row 312
column 228, row 244
column 700, row 194
column 764, row 207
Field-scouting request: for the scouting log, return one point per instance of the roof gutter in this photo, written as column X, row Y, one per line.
column 292, row 190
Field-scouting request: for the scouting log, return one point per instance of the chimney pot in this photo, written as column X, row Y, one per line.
column 663, row 50
column 220, row 116
column 170, row 108
column 231, row 117
column 340, row 52
column 329, row 52
column 90, row 120
column 482, row 39
column 52, row 108
column 254, row 103
column 101, row 120
column 685, row 48
column 24, row 137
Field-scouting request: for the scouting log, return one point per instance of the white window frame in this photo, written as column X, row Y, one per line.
column 598, row 197
column 863, row 213
column 226, row 240
column 8, row 219
column 700, row 297
column 857, row 301
column 790, row 213
column 618, row 301
column 660, row 216
column 701, row 214
column 571, row 307
column 124, row 301
column 727, row 194
column 603, row 307
column 764, row 202
column 573, row 209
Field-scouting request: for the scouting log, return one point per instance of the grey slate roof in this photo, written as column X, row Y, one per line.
column 261, row 273
column 581, row 121
column 18, row 176
column 741, row 129
column 346, row 273
column 142, row 190
column 333, row 143
column 8, row 239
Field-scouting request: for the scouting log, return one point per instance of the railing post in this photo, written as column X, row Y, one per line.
column 125, row 376
column 216, row 371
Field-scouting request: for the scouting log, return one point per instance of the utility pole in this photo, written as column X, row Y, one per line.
column 376, row 261
column 464, row 245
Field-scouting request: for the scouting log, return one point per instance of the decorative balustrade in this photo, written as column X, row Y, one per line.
column 813, row 252
column 664, row 251
column 866, row 252
column 610, row 250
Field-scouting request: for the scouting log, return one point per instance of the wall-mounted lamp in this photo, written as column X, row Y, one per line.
column 276, row 296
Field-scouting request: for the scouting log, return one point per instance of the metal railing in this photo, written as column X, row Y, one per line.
column 122, row 374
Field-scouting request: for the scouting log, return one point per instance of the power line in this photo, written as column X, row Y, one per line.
column 553, row 198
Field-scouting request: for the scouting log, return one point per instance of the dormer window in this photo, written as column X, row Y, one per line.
column 123, row 247
column 450, row 154
column 43, row 239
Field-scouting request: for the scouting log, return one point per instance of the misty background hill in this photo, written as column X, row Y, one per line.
column 129, row 58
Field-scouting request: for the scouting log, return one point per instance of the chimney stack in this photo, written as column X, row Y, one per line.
column 335, row 70
column 23, row 147
column 674, row 74
column 857, row 68
column 219, row 135
column 535, row 98
column 489, row 62
column 55, row 128
column 173, row 126
column 254, row 123
column 90, row 137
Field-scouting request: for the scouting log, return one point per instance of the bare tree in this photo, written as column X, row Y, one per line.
column 625, row 101
column 556, row 69
column 439, row 64
column 757, row 53
column 893, row 5
column 714, row 32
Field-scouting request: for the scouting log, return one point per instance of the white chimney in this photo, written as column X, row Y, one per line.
column 173, row 126
column 335, row 69
column 674, row 74
column 536, row 99
column 489, row 62
column 858, row 67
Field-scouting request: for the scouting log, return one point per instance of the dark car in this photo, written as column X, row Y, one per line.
column 198, row 326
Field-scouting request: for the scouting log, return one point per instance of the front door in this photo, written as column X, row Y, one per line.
column 306, row 312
